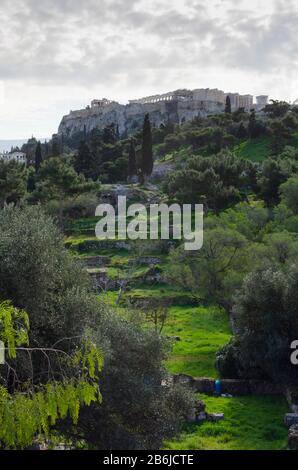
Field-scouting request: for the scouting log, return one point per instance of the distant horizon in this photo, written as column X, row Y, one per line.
column 6, row 144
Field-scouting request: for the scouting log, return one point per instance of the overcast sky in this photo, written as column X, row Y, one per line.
column 57, row 55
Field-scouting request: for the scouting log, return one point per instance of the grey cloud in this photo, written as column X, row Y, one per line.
column 95, row 41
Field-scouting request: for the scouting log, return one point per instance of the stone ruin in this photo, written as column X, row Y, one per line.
column 175, row 107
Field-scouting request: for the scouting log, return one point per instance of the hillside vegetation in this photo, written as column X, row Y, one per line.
column 129, row 314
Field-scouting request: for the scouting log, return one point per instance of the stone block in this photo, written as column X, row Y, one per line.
column 235, row 387
column 204, row 385
column 291, row 419
column 260, row 387
column 293, row 437
column 215, row 417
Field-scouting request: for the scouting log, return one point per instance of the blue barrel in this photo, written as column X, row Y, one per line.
column 218, row 387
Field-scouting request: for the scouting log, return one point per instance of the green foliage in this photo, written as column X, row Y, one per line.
column 13, row 182
column 276, row 109
column 214, row 181
column 132, row 163
column 14, row 326
column 255, row 150
column 206, row 272
column 38, row 275
column 281, row 136
column 147, row 156
column 228, row 108
column 23, row 416
column 265, row 319
column 84, row 161
column 289, row 194
column 38, row 157
column 32, row 411
column 58, row 180
column 270, row 179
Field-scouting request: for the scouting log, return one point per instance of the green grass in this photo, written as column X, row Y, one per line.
column 203, row 331
column 160, row 291
column 251, row 423
column 255, row 150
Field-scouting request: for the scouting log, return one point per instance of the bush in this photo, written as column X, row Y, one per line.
column 265, row 323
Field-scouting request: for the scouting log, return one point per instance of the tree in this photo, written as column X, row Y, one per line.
column 241, row 131
column 84, row 161
column 13, row 182
column 252, row 125
column 137, row 411
column 207, row 272
column 38, row 157
column 289, row 194
column 214, row 181
column 56, row 145
column 41, row 277
column 281, row 136
column 277, row 109
column 228, row 108
column 132, row 162
column 147, row 154
column 58, row 180
column 109, row 134
column 265, row 324
column 269, row 181
column 31, row 408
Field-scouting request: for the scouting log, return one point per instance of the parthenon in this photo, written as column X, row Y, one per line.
column 174, row 95
column 201, row 94
column 176, row 106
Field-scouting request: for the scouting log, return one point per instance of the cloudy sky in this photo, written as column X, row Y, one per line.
column 57, row 55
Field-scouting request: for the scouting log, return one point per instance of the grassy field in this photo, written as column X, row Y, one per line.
column 255, row 150
column 259, row 149
column 202, row 330
column 251, row 423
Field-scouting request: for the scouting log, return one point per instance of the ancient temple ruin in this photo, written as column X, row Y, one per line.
column 176, row 107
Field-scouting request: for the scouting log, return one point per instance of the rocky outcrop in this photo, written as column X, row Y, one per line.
column 130, row 117
column 96, row 261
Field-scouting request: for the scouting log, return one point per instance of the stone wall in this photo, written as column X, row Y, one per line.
column 231, row 386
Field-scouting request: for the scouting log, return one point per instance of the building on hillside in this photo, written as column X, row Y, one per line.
column 241, row 101
column 15, row 155
column 208, row 94
column 100, row 103
column 262, row 101
column 175, row 107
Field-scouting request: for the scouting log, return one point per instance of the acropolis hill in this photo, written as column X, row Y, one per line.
column 176, row 107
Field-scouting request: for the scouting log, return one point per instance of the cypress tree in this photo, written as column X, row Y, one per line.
column 55, row 146
column 38, row 157
column 147, row 154
column 84, row 161
column 132, row 160
column 252, row 125
column 228, row 108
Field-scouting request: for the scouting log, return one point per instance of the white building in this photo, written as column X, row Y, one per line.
column 15, row 155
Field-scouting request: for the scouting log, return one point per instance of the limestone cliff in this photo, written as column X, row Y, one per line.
column 131, row 116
